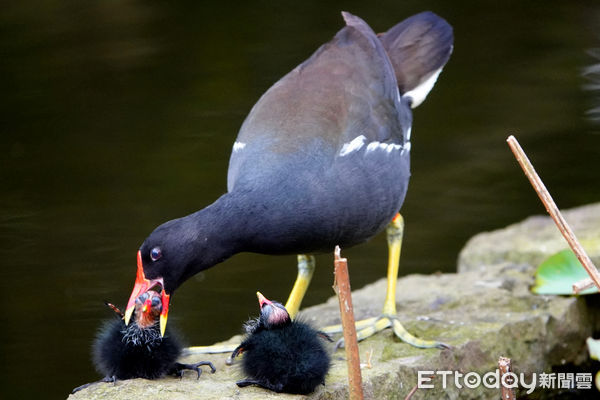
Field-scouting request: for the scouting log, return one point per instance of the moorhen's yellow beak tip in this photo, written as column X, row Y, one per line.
column 165, row 299
column 128, row 314
column 163, row 324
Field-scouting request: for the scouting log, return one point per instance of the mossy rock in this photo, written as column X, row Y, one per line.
column 483, row 312
column 533, row 240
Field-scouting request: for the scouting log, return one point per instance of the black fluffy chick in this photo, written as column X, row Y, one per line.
column 138, row 350
column 280, row 354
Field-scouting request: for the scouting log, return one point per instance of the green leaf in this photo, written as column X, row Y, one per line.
column 594, row 348
column 558, row 273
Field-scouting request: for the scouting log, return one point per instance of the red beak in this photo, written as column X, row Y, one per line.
column 142, row 285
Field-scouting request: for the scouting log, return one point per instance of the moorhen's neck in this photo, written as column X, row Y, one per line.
column 238, row 221
column 213, row 234
column 217, row 229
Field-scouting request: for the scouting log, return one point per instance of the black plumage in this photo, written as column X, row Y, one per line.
column 321, row 160
column 138, row 350
column 281, row 354
column 127, row 352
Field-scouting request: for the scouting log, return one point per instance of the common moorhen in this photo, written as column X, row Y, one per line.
column 282, row 354
column 138, row 350
column 321, row 160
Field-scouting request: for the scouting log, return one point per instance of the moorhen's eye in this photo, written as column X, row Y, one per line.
column 155, row 253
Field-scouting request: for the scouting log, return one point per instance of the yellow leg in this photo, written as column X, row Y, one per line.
column 394, row 231
column 306, row 268
column 388, row 318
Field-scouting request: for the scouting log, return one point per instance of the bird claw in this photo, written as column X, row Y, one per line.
column 325, row 336
column 106, row 379
column 238, row 350
column 179, row 368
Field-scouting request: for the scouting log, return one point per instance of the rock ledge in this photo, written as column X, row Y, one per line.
column 484, row 311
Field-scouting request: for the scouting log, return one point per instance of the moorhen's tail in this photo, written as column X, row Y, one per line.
column 418, row 47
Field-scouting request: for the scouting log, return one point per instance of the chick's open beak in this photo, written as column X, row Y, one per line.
column 262, row 300
column 142, row 285
column 147, row 306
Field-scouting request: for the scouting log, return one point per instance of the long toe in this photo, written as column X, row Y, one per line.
column 370, row 326
column 407, row 337
column 199, row 370
column 214, row 349
column 179, row 368
column 359, row 325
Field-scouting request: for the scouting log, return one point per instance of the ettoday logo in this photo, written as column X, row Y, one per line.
column 494, row 380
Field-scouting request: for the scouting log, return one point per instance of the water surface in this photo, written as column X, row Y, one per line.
column 118, row 116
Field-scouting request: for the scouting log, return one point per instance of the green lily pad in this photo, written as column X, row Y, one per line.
column 558, row 273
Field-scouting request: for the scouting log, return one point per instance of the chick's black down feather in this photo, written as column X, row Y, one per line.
column 127, row 352
column 289, row 359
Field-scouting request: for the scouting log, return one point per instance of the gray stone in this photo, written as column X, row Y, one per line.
column 484, row 313
column 533, row 240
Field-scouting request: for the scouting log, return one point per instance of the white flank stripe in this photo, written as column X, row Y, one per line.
column 387, row 147
column 237, row 146
column 358, row 143
column 406, row 147
column 354, row 145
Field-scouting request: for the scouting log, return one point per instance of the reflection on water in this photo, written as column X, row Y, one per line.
column 592, row 73
column 117, row 116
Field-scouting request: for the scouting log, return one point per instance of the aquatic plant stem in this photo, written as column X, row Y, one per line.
column 554, row 212
column 341, row 286
column 581, row 285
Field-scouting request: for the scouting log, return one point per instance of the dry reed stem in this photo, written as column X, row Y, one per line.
column 554, row 212
column 341, row 286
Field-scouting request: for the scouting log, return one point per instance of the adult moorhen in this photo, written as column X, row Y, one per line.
column 321, row 160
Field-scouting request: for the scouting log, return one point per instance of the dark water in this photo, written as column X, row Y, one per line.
column 119, row 115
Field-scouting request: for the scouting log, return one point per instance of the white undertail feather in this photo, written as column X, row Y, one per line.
column 419, row 93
